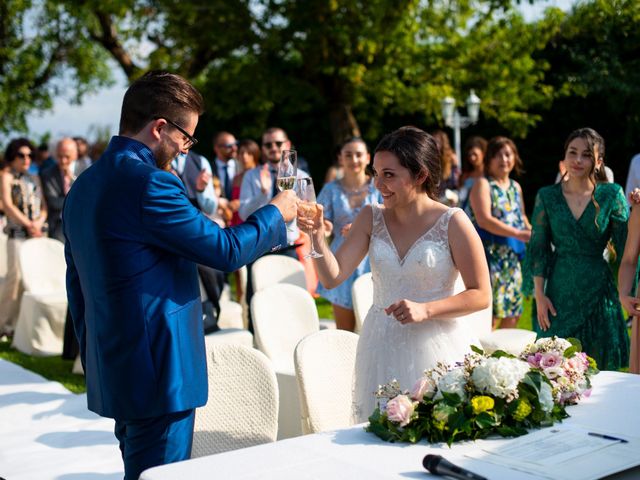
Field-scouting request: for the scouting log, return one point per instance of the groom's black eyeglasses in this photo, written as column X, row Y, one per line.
column 191, row 141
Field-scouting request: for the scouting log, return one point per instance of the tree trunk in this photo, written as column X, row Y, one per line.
column 343, row 123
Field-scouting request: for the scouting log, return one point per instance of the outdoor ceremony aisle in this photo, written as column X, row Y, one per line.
column 46, row 432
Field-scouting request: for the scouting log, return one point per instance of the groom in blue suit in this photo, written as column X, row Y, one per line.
column 133, row 240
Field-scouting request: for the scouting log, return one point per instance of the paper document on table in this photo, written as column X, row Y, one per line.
column 564, row 452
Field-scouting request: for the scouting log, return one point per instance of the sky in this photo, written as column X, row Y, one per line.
column 102, row 109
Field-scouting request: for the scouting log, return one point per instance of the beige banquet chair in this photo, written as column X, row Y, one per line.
column 242, row 407
column 272, row 269
column 43, row 308
column 362, row 297
column 511, row 340
column 283, row 315
column 325, row 363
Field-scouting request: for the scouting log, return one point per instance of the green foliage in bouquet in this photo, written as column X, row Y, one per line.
column 497, row 394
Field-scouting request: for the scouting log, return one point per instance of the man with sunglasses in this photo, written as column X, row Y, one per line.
column 259, row 187
column 225, row 147
column 133, row 239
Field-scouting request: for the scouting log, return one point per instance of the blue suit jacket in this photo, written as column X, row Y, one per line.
column 132, row 243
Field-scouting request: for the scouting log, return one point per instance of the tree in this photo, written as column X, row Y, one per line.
column 327, row 67
column 42, row 56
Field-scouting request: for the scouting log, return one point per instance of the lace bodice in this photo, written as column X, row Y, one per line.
column 426, row 272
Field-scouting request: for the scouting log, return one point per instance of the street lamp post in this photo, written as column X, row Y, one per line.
column 454, row 120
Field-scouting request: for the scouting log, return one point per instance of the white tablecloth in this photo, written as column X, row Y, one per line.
column 354, row 454
column 46, row 432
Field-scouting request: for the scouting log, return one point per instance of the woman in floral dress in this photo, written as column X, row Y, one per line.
column 497, row 210
column 342, row 200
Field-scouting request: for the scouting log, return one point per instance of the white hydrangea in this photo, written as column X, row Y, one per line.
column 453, row 381
column 546, row 397
column 499, row 376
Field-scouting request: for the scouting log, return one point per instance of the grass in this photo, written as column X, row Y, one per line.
column 51, row 368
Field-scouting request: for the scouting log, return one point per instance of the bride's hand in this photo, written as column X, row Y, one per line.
column 310, row 216
column 406, row 311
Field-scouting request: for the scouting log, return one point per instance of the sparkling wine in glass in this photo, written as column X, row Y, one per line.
column 308, row 207
column 287, row 170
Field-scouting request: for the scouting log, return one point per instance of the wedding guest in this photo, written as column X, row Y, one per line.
column 626, row 278
column 248, row 158
column 472, row 167
column 26, row 212
column 573, row 221
column 497, row 210
column 342, row 201
column 417, row 247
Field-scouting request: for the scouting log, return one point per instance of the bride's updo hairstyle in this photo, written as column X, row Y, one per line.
column 418, row 152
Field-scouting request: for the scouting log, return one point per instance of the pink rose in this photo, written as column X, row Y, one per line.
column 534, row 360
column 575, row 364
column 550, row 359
column 400, row 409
column 423, row 386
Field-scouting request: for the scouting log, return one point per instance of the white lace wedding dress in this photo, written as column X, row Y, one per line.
column 387, row 349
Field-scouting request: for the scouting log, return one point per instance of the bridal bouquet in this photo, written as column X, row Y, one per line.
column 486, row 394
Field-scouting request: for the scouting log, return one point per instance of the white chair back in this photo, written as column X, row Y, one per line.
column 282, row 315
column 272, row 269
column 325, row 363
column 43, row 266
column 362, row 296
column 511, row 340
column 480, row 322
column 242, row 410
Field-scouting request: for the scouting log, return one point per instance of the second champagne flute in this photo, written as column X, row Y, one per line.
column 287, row 170
column 308, row 207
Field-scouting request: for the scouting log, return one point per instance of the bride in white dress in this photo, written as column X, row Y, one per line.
column 417, row 247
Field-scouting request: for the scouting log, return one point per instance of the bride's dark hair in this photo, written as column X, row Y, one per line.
column 418, row 152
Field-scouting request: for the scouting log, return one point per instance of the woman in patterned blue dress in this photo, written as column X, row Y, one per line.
column 342, row 201
column 497, row 211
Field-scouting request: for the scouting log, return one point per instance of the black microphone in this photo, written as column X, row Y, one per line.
column 440, row 466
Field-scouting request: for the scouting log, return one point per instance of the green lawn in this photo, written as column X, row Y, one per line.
column 54, row 368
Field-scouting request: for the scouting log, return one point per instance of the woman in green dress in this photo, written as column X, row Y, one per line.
column 573, row 222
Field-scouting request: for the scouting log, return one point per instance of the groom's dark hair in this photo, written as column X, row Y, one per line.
column 418, row 152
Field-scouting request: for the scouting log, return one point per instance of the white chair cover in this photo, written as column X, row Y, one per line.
column 235, row 336
column 325, row 363
column 511, row 340
column 283, row 315
column 43, row 308
column 272, row 269
column 3, row 255
column 242, row 410
column 362, row 296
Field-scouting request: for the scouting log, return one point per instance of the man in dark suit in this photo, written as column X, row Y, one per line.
column 56, row 182
column 133, row 240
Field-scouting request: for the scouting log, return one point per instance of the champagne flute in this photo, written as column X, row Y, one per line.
column 308, row 207
column 287, row 170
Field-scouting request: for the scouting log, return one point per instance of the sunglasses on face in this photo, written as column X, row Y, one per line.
column 277, row 143
column 228, row 145
column 24, row 155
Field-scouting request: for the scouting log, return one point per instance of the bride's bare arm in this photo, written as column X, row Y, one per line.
column 333, row 270
column 468, row 256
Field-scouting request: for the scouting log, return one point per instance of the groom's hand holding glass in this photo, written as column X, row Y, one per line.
column 286, row 202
